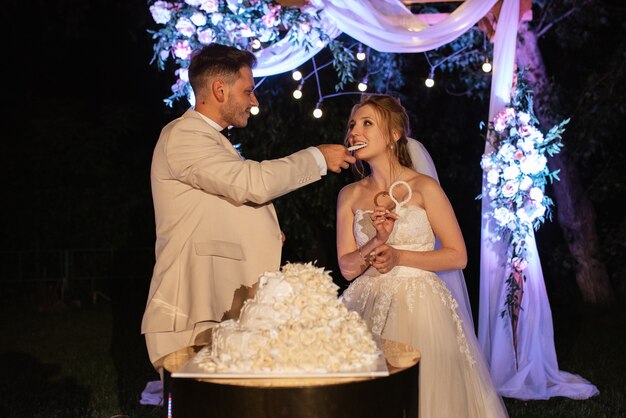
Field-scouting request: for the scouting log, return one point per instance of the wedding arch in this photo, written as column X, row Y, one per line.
column 522, row 358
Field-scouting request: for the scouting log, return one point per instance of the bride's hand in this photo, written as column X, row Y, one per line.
column 383, row 220
column 384, row 258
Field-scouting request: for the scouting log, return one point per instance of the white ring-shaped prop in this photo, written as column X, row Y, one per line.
column 408, row 196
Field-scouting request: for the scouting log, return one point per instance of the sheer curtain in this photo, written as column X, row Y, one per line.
column 388, row 26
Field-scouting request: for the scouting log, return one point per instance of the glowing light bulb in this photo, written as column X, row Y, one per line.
column 254, row 110
column 430, row 81
column 256, row 44
column 317, row 113
column 362, row 86
column 360, row 55
column 319, row 43
column 297, row 94
column 486, row 66
column 296, row 75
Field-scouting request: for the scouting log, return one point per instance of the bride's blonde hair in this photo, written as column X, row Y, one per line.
column 393, row 118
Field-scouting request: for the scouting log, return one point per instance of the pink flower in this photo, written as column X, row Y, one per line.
column 272, row 18
column 510, row 188
column 519, row 263
column 182, row 49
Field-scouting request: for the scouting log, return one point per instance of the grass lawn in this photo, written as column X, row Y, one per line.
column 91, row 362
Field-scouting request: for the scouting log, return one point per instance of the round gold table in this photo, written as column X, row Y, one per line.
column 390, row 396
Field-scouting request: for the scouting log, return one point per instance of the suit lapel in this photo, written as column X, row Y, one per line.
column 212, row 132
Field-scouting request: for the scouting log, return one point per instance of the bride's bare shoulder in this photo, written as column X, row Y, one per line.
column 419, row 180
column 353, row 189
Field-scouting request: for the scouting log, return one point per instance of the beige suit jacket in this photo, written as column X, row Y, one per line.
column 216, row 229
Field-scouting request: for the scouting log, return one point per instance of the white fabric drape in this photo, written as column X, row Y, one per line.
column 385, row 25
column 534, row 373
column 388, row 26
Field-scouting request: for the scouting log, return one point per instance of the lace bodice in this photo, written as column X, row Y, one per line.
column 411, row 231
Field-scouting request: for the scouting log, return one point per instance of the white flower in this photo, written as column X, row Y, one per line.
column 506, row 151
column 536, row 135
column 525, row 183
column 503, row 216
column 493, row 176
column 160, row 12
column 183, row 74
column 209, row 6
column 523, row 117
column 526, row 144
column 510, row 172
column 486, row 161
column 533, row 164
column 198, row 19
column 193, row 2
column 205, row 36
column 185, row 27
column 536, row 194
column 216, row 18
column 233, row 5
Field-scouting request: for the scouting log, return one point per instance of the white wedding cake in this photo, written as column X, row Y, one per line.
column 294, row 324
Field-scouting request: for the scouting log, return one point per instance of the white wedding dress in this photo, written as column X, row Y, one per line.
column 415, row 307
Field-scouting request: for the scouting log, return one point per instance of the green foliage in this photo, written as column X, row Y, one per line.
column 343, row 62
column 383, row 71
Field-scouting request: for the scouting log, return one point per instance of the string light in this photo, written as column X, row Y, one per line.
column 430, row 81
column 319, row 43
column 297, row 93
column 256, row 44
column 297, row 75
column 317, row 113
column 363, row 84
column 254, row 110
column 360, row 55
column 486, row 65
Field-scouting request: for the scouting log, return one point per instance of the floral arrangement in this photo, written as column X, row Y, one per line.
column 186, row 25
column 517, row 173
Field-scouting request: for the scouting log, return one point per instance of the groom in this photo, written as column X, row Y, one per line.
column 216, row 228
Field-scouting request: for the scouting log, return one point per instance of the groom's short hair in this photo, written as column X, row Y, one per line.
column 217, row 60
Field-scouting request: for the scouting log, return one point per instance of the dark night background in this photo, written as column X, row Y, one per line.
column 83, row 109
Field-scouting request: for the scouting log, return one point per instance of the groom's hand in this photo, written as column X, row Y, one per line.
column 336, row 156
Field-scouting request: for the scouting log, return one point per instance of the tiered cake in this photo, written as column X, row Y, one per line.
column 295, row 323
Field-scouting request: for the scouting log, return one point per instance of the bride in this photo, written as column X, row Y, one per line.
column 387, row 226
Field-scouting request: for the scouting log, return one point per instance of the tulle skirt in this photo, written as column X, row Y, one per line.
column 415, row 307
